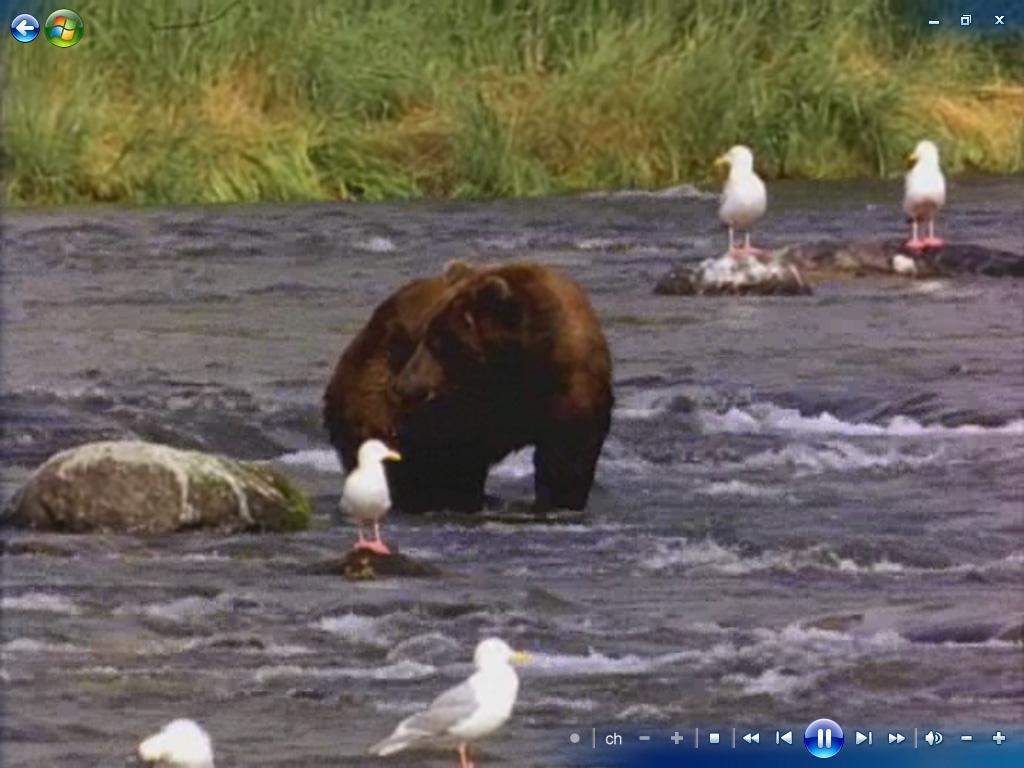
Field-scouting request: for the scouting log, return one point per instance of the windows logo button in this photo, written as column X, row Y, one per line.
column 823, row 738
column 64, row 28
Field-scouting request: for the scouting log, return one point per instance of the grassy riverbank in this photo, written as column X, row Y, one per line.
column 261, row 100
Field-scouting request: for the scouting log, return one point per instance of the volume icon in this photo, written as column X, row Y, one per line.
column 932, row 738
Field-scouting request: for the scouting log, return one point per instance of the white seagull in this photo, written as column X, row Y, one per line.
column 469, row 711
column 744, row 198
column 181, row 744
column 365, row 496
column 924, row 194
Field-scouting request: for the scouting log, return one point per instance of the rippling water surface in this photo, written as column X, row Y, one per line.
column 806, row 506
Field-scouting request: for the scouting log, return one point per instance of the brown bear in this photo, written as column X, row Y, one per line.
column 458, row 371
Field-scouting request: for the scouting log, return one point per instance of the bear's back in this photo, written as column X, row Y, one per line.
column 563, row 315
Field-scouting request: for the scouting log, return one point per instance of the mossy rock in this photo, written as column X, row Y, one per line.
column 139, row 487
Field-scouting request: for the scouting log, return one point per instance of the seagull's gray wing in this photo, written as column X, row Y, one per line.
column 451, row 707
column 446, row 710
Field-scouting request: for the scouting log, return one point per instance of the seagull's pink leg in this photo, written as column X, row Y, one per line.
column 371, row 545
column 376, row 544
column 464, row 761
column 932, row 241
column 750, row 250
column 915, row 243
column 361, row 541
column 732, row 242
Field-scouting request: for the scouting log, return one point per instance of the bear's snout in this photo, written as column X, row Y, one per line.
column 421, row 378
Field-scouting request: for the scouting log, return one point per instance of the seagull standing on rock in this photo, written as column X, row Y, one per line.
column 744, row 198
column 365, row 496
column 924, row 194
column 181, row 744
column 469, row 711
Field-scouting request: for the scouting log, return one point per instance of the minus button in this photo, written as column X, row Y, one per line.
column 967, row 737
column 933, row 22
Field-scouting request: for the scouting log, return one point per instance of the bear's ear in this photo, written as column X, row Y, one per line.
column 493, row 298
column 456, row 270
column 493, row 290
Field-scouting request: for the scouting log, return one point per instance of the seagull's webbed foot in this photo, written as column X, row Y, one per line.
column 377, row 546
column 933, row 242
column 915, row 244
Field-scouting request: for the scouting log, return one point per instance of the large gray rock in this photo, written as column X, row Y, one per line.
column 139, row 487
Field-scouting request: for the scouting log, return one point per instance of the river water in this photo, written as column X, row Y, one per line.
column 807, row 506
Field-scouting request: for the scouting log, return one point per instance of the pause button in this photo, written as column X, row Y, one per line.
column 823, row 738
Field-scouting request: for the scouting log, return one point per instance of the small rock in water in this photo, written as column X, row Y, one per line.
column 33, row 548
column 729, row 275
column 138, row 487
column 864, row 257
column 955, row 633
column 1013, row 634
column 367, row 565
column 786, row 271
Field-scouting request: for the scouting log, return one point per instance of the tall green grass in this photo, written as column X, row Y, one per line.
column 216, row 101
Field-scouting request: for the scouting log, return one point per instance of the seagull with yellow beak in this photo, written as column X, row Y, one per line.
column 924, row 194
column 470, row 711
column 744, row 198
column 365, row 497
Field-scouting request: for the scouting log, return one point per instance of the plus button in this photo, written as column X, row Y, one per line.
column 676, row 738
column 999, row 738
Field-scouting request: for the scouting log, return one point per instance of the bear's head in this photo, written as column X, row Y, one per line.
column 473, row 339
